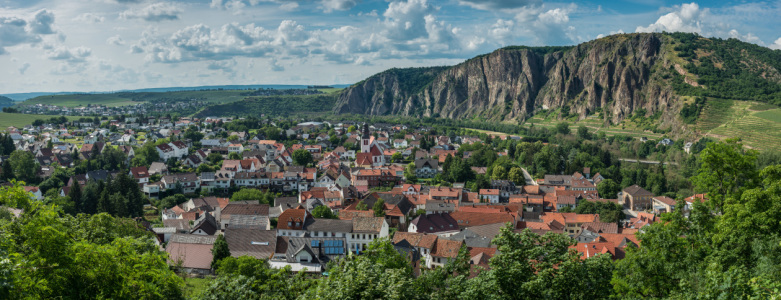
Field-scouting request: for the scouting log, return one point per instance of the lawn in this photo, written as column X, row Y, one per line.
column 20, row 120
column 194, row 287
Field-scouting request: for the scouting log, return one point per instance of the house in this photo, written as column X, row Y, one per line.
column 426, row 168
column 365, row 230
column 140, row 174
column 636, row 198
column 191, row 253
column 165, row 151
column 434, row 251
column 235, row 148
column 663, row 204
column 187, row 181
column 505, row 187
column 440, row 224
column 158, row 168
column 489, row 195
column 259, row 244
column 308, row 254
column 292, row 222
column 205, row 225
column 242, row 215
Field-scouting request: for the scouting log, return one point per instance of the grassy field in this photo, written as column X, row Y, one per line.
column 80, row 100
column 195, row 287
column 19, row 120
column 122, row 99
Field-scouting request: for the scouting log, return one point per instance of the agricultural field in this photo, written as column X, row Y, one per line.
column 128, row 98
column 75, row 100
column 759, row 130
column 20, row 120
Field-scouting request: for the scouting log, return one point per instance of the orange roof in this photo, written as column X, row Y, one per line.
column 447, row 248
column 467, row 219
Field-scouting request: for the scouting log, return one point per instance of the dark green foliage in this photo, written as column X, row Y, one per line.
column 379, row 208
column 323, row 211
column 52, row 255
column 731, row 69
column 248, row 194
column 691, row 111
column 271, row 105
column 302, row 157
column 609, row 212
column 220, row 250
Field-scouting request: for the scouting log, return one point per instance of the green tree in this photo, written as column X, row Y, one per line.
column 323, row 211
column 583, row 132
column 302, row 157
column 24, row 166
column 562, row 128
column 8, row 171
column 247, row 194
column 409, row 173
column 379, row 208
column 499, row 173
column 516, row 175
column 220, row 250
column 726, row 170
column 608, row 188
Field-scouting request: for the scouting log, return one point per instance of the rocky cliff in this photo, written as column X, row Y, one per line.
column 617, row 74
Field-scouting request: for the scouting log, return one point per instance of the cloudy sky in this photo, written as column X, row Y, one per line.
column 105, row 45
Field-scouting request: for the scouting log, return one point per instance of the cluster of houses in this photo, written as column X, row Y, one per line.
column 162, row 107
column 365, row 188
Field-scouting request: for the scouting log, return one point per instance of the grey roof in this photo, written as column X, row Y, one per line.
column 330, row 225
column 160, row 230
column 471, row 239
column 298, row 244
column 248, row 221
column 193, row 239
column 179, row 224
column 287, row 202
column 251, row 242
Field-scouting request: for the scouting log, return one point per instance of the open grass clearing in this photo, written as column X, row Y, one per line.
column 20, row 120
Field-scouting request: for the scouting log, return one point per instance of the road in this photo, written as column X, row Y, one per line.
column 529, row 179
column 650, row 162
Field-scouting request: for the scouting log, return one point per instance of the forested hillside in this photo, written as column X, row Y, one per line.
column 612, row 77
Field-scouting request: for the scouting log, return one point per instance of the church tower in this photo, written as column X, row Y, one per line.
column 366, row 139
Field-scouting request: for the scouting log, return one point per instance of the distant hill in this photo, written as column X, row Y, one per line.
column 25, row 96
column 6, row 102
column 648, row 79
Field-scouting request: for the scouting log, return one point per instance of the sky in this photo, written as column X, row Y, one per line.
column 108, row 45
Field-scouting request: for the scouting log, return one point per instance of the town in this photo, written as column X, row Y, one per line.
column 306, row 194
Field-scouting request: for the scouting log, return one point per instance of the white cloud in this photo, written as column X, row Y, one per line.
column 223, row 65
column 405, row 20
column 115, row 40
column 331, row 5
column 89, row 18
column 776, row 45
column 16, row 31
column 42, row 22
column 687, row 17
column 73, row 55
column 498, row 4
column 155, row 12
column 24, row 68
column 274, row 66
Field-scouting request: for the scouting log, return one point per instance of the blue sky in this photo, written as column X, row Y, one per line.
column 104, row 45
